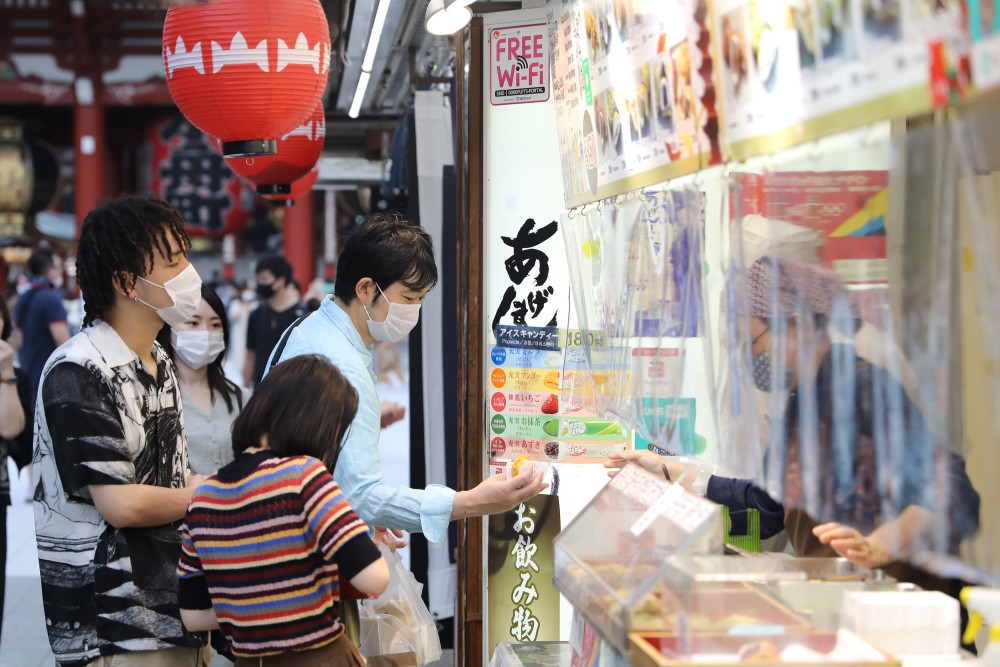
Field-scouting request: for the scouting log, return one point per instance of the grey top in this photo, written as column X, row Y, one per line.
column 209, row 435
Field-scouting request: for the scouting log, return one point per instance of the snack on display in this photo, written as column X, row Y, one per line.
column 760, row 651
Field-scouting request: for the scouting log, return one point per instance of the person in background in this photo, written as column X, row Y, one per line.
column 110, row 452
column 40, row 314
column 211, row 401
column 279, row 307
column 15, row 429
column 267, row 536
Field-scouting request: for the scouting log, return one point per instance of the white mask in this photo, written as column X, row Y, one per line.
column 198, row 349
column 184, row 290
column 399, row 321
column 57, row 282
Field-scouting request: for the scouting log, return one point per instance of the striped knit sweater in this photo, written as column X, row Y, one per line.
column 262, row 543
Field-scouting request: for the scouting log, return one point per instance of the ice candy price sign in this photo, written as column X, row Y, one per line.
column 519, row 64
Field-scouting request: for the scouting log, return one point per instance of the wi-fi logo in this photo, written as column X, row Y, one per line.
column 522, row 63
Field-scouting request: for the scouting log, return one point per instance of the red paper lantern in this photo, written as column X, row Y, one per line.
column 247, row 71
column 297, row 152
column 185, row 170
column 299, row 188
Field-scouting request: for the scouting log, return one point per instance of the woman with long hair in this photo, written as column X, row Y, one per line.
column 266, row 537
column 15, row 426
column 211, row 401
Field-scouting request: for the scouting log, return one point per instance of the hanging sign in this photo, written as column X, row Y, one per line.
column 519, row 64
column 183, row 168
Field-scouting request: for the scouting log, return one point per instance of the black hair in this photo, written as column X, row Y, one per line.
column 217, row 380
column 118, row 243
column 303, row 405
column 7, row 324
column 42, row 259
column 278, row 267
column 386, row 248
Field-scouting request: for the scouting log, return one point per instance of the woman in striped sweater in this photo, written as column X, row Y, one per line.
column 265, row 537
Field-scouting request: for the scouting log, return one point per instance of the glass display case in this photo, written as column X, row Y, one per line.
column 644, row 563
column 721, row 610
column 607, row 560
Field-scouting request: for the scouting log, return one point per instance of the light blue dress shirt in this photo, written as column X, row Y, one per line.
column 330, row 332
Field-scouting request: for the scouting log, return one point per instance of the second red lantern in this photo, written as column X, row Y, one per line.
column 299, row 188
column 297, row 152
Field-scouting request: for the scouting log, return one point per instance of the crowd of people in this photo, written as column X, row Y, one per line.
column 180, row 511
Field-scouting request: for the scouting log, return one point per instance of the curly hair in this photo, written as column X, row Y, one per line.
column 118, row 242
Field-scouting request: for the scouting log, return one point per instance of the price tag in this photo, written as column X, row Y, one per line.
column 680, row 507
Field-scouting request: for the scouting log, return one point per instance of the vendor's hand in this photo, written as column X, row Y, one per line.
column 497, row 494
column 646, row 459
column 391, row 412
column 6, row 359
column 851, row 544
column 387, row 536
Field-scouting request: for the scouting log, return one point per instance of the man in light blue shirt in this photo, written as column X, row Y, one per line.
column 383, row 274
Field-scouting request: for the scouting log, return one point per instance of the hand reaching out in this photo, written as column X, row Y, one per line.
column 851, row 544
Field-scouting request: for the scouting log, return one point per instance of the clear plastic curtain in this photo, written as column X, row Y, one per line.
column 636, row 270
column 853, row 392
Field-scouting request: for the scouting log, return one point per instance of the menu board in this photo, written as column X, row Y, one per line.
column 794, row 70
column 634, row 93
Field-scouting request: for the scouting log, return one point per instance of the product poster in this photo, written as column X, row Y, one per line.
column 847, row 208
column 984, row 29
column 634, row 92
column 524, row 603
column 540, row 408
column 795, row 70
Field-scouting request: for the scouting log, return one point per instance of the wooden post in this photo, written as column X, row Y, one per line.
column 469, row 191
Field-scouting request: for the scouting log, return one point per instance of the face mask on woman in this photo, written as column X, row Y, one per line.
column 765, row 370
column 198, row 349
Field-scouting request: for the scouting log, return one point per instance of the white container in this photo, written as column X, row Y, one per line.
column 904, row 623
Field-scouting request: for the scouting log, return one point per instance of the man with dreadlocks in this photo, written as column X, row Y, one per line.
column 110, row 449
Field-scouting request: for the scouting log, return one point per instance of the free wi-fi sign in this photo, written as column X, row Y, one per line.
column 519, row 64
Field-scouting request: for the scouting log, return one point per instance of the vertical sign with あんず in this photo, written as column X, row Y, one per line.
column 519, row 64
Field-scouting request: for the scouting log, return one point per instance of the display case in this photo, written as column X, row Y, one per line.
column 608, row 560
column 842, row 648
column 722, row 610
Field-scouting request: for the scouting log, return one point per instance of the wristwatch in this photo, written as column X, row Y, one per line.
column 10, row 380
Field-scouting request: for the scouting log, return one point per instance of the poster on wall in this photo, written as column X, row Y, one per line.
column 520, row 67
column 984, row 30
column 794, row 70
column 848, row 209
column 634, row 93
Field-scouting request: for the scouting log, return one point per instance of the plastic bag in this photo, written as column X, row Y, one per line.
column 397, row 623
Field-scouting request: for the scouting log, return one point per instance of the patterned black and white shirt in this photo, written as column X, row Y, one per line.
column 102, row 418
